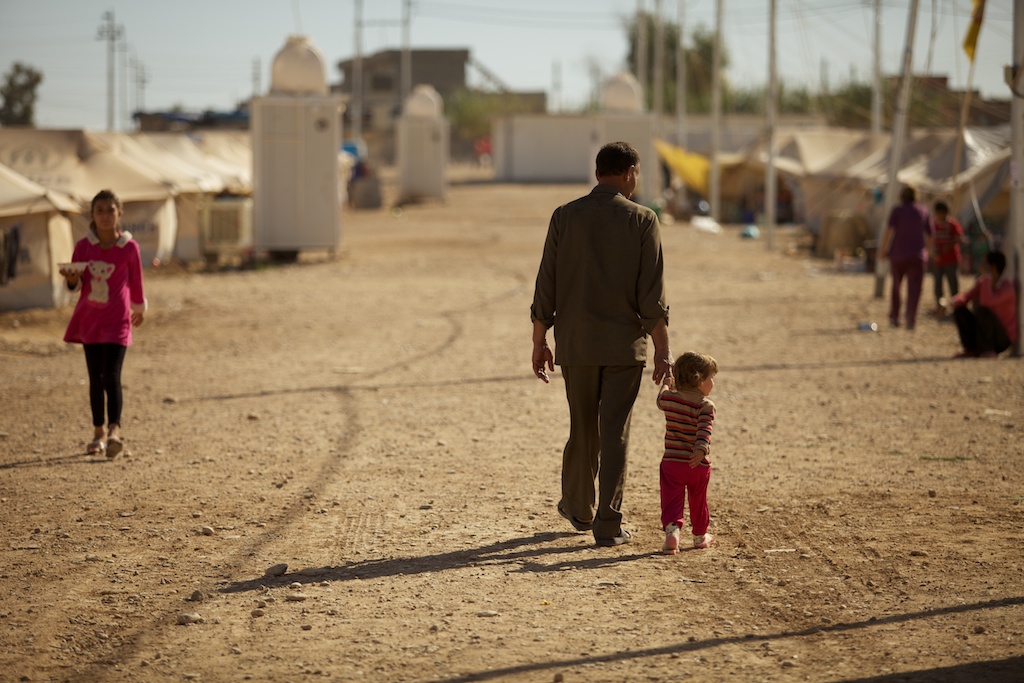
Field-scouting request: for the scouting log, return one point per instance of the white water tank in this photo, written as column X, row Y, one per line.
column 622, row 93
column 423, row 135
column 423, row 103
column 298, row 69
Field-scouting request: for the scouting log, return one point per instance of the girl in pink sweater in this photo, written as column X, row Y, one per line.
column 107, row 269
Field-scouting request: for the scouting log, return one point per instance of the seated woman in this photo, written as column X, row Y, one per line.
column 991, row 327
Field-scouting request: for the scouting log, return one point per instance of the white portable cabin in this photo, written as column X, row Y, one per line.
column 423, row 135
column 35, row 235
column 537, row 148
column 296, row 139
column 553, row 149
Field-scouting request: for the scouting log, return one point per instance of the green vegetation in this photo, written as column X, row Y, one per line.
column 846, row 105
column 18, row 92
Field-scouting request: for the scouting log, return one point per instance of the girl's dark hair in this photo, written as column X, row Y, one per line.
column 103, row 196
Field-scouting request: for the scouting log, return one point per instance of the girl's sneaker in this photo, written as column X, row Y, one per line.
column 703, row 541
column 671, row 546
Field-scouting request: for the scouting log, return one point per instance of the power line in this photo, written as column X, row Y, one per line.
column 551, row 20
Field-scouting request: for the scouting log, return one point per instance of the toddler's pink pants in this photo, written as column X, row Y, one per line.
column 679, row 481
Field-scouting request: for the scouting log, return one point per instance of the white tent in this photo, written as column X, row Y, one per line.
column 80, row 164
column 838, row 171
column 233, row 170
column 192, row 185
column 233, row 148
column 35, row 235
column 210, row 190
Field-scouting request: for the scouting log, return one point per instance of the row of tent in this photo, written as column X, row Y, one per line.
column 832, row 173
column 168, row 183
column 173, row 183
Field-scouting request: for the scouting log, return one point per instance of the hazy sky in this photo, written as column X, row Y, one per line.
column 210, row 54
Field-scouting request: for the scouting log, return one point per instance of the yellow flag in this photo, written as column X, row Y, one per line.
column 971, row 39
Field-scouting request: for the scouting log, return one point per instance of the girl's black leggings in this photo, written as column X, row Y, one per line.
column 104, row 362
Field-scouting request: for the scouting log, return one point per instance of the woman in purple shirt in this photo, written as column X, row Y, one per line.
column 906, row 244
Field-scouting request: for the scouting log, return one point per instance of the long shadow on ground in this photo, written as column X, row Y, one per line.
column 518, row 551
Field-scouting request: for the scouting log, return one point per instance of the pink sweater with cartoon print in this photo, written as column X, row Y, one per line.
column 111, row 289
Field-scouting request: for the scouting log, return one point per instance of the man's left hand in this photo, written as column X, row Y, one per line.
column 543, row 361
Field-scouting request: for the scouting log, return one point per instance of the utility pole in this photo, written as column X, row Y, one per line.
column 876, row 81
column 406, row 51
column 659, row 67
column 595, row 81
column 556, row 85
column 965, row 112
column 681, row 133
column 140, row 82
column 899, row 133
column 1014, row 75
column 111, row 33
column 357, row 75
column 640, row 51
column 255, row 77
column 716, row 116
column 125, row 114
column 770, row 185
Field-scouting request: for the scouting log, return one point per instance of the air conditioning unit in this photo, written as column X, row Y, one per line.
column 227, row 227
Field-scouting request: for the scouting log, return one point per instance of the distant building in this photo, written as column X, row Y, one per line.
column 946, row 104
column 443, row 69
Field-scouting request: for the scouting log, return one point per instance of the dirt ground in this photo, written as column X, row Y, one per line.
column 370, row 421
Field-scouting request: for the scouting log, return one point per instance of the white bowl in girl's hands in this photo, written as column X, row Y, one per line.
column 76, row 267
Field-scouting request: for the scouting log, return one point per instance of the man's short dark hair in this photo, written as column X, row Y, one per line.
column 615, row 158
column 941, row 206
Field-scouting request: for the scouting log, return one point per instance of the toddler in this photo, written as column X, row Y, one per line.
column 686, row 464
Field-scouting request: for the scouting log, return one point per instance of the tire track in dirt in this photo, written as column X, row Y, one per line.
column 355, row 530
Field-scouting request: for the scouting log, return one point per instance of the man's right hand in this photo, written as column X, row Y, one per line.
column 543, row 361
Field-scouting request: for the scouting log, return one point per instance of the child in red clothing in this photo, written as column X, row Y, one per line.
column 947, row 234
column 686, row 464
column 991, row 327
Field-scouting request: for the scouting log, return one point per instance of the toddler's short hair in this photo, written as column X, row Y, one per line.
column 692, row 368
